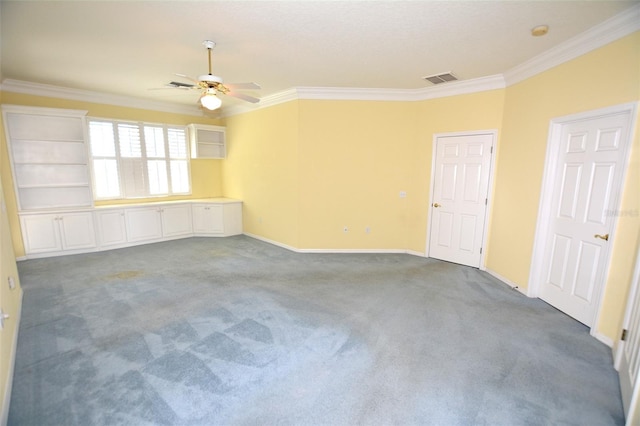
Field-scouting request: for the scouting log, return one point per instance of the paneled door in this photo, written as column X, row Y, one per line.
column 460, row 189
column 628, row 350
column 587, row 180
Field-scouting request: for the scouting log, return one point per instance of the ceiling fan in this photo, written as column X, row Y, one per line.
column 211, row 85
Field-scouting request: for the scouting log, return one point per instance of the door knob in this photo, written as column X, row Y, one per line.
column 436, row 205
column 602, row 237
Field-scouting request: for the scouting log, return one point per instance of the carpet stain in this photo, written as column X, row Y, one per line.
column 125, row 275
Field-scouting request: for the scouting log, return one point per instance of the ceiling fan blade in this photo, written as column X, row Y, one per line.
column 242, row 86
column 188, row 78
column 180, row 85
column 243, row 97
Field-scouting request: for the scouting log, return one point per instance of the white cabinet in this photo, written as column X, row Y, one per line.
column 158, row 222
column 107, row 227
column 112, row 228
column 207, row 141
column 176, row 220
column 208, row 219
column 143, row 224
column 217, row 219
column 58, row 232
column 48, row 157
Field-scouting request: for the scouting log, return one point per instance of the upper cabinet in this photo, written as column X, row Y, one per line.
column 49, row 157
column 207, row 141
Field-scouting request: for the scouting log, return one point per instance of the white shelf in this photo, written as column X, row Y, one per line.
column 49, row 157
column 207, row 141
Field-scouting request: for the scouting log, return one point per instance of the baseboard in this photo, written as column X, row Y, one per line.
column 12, row 362
column 507, row 281
column 604, row 339
column 318, row 250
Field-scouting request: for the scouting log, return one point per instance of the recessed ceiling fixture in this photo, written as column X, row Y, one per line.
column 441, row 78
column 540, row 30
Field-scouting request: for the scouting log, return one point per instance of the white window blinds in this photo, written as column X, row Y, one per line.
column 133, row 160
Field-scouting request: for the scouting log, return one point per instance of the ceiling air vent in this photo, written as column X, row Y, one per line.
column 441, row 78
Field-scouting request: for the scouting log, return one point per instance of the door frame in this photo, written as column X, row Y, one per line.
column 487, row 215
column 546, row 193
column 619, row 350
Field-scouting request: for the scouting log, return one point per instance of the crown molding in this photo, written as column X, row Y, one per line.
column 364, row 94
column 619, row 26
column 441, row 91
column 47, row 90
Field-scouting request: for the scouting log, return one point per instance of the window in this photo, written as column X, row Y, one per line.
column 133, row 160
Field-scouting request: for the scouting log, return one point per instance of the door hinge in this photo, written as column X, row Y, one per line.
column 480, row 250
column 624, row 334
column 491, row 152
column 486, row 201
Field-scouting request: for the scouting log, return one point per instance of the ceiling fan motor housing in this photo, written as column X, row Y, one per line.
column 210, row 78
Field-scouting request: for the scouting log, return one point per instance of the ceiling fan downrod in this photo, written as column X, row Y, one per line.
column 209, row 45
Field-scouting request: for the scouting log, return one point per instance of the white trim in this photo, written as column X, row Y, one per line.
column 481, row 84
column 618, row 351
column 372, row 94
column 273, row 242
column 602, row 338
column 8, row 386
column 26, row 109
column 329, row 251
column 507, row 281
column 546, row 193
column 608, row 31
column 47, row 90
column 492, row 170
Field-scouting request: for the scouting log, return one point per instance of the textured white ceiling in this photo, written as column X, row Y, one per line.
column 127, row 48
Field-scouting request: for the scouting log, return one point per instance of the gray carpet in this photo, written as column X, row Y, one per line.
column 235, row 331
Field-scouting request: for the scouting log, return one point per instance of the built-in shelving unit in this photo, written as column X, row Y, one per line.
column 207, row 141
column 49, row 157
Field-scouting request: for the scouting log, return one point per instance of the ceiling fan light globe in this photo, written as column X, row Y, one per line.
column 210, row 101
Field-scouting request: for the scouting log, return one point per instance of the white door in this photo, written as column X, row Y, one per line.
column 587, row 178
column 628, row 351
column 460, row 189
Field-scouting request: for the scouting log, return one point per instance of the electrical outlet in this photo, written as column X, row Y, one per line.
column 367, row 230
column 12, row 283
column 403, row 194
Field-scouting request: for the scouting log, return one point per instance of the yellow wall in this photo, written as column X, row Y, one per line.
column 10, row 300
column 356, row 157
column 205, row 174
column 261, row 169
column 607, row 76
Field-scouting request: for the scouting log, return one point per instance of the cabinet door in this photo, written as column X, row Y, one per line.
column 176, row 220
column 208, row 219
column 111, row 227
column 232, row 219
column 40, row 233
column 143, row 224
column 77, row 230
